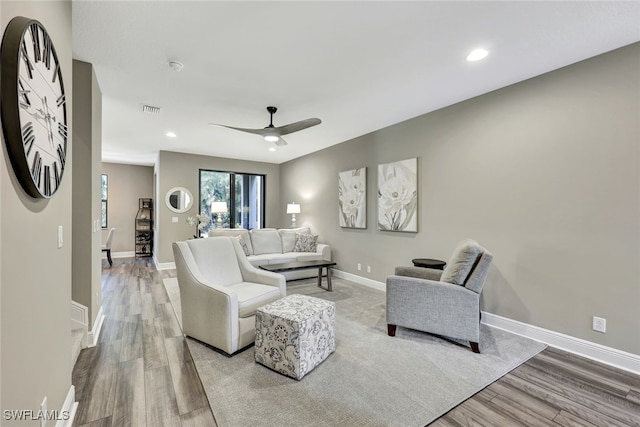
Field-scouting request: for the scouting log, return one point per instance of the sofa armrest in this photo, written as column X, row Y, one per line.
column 419, row 272
column 324, row 250
column 438, row 307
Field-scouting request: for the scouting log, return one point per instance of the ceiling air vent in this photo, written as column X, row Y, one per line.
column 150, row 109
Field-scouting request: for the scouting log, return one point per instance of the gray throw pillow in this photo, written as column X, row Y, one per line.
column 461, row 262
column 306, row 243
column 243, row 244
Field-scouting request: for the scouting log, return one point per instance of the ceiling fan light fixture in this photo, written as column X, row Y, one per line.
column 271, row 138
column 477, row 55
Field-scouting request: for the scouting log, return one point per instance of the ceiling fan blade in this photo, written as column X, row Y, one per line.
column 295, row 127
column 280, row 142
column 255, row 131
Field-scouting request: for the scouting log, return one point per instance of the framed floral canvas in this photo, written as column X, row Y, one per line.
column 352, row 198
column 398, row 196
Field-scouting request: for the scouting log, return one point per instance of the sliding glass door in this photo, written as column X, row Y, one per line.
column 232, row 200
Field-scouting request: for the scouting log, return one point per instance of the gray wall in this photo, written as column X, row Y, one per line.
column 87, row 137
column 544, row 173
column 127, row 184
column 35, row 276
column 182, row 170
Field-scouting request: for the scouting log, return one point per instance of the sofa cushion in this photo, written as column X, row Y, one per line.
column 281, row 258
column 266, row 241
column 253, row 295
column 306, row 243
column 288, row 236
column 258, row 260
column 306, row 256
column 232, row 232
column 461, row 262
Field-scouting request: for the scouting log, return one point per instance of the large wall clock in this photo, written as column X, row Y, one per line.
column 34, row 111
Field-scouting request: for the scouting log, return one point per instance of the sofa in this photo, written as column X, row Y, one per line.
column 276, row 246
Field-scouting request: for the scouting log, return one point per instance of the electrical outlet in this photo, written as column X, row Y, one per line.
column 599, row 324
column 359, row 267
column 368, row 269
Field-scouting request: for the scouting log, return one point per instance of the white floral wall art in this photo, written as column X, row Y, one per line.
column 398, row 196
column 352, row 198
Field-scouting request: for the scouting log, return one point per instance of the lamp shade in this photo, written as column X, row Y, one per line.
column 219, row 207
column 293, row 208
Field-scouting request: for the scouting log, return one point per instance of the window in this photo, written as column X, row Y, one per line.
column 105, row 192
column 242, row 194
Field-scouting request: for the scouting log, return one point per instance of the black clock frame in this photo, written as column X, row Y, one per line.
column 9, row 108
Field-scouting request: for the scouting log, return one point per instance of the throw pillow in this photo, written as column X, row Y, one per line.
column 461, row 262
column 306, row 243
column 245, row 248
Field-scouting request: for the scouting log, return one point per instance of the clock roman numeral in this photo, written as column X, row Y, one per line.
column 28, row 137
column 27, row 61
column 56, row 174
column 62, row 130
column 60, row 100
column 36, row 169
column 47, row 181
column 23, row 93
column 47, row 51
column 35, row 37
column 61, row 155
column 55, row 73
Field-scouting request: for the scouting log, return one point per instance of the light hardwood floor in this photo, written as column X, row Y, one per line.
column 141, row 373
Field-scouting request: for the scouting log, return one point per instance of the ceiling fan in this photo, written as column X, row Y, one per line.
column 272, row 133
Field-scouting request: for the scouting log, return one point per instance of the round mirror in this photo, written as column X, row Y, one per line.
column 179, row 199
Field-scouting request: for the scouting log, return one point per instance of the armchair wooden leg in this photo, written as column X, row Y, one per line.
column 391, row 330
column 109, row 257
column 475, row 347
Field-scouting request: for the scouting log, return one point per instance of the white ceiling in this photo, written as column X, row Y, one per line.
column 358, row 66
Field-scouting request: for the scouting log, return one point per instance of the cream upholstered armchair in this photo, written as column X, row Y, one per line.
column 445, row 302
column 107, row 246
column 220, row 291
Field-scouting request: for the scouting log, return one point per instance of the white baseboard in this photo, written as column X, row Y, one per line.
column 126, row 254
column 360, row 280
column 94, row 334
column 163, row 265
column 69, row 408
column 600, row 353
column 79, row 313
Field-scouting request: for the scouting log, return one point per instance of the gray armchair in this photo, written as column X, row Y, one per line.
column 445, row 302
column 220, row 291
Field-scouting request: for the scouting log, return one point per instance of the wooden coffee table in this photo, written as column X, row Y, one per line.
column 303, row 265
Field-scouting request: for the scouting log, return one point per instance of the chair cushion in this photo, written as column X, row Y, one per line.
column 253, row 295
column 288, row 236
column 306, row 243
column 266, row 241
column 216, row 259
column 461, row 262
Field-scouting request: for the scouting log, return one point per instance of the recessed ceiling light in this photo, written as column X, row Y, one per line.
column 272, row 148
column 171, row 134
column 477, row 55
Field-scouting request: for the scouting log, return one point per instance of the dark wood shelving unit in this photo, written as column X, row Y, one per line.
column 144, row 228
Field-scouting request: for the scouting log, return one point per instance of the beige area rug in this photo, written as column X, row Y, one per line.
column 371, row 380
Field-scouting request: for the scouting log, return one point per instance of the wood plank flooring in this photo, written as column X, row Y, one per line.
column 141, row 373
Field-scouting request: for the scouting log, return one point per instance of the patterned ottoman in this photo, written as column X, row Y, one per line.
column 295, row 334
